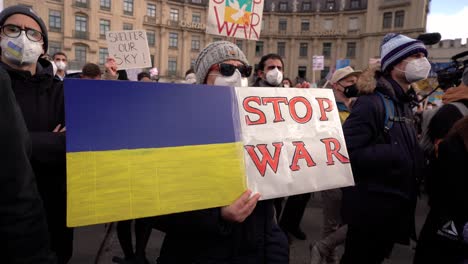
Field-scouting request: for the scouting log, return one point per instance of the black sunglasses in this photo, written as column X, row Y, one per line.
column 227, row 69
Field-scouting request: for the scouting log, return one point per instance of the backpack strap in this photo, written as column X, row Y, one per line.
column 389, row 111
column 461, row 107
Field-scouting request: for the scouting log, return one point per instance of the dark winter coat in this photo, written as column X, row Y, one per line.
column 204, row 237
column 41, row 101
column 23, row 229
column 385, row 165
column 444, row 236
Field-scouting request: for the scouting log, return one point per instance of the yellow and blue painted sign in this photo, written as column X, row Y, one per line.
column 137, row 149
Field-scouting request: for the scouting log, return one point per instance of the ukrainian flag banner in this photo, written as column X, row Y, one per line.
column 137, row 149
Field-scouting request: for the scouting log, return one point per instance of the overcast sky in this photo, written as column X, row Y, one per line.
column 449, row 18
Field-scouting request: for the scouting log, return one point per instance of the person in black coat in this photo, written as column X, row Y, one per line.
column 23, row 227
column 23, row 40
column 243, row 232
column 444, row 236
column 386, row 162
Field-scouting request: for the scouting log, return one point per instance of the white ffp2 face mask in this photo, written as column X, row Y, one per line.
column 20, row 51
column 417, row 69
column 235, row 80
column 61, row 65
column 274, row 77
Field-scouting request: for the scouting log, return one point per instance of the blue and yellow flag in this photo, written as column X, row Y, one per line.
column 137, row 149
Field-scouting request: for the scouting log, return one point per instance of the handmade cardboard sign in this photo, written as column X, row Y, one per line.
column 235, row 18
column 129, row 48
column 293, row 141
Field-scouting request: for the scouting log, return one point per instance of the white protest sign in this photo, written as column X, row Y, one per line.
column 293, row 141
column 235, row 18
column 129, row 48
column 317, row 63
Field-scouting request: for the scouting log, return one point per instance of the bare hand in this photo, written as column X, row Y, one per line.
column 111, row 66
column 241, row 208
column 303, row 85
column 57, row 129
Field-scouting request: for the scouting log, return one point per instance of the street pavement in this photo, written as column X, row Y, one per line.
column 99, row 244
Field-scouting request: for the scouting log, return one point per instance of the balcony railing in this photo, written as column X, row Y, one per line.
column 150, row 19
column 80, row 34
column 55, row 29
column 82, row 4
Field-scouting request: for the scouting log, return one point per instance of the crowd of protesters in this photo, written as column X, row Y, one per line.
column 368, row 219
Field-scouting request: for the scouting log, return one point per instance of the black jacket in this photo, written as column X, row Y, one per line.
column 42, row 104
column 385, row 165
column 204, row 237
column 23, row 228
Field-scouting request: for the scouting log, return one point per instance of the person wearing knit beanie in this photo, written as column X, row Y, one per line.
column 381, row 136
column 215, row 53
column 23, row 39
column 245, row 231
column 24, row 10
column 396, row 47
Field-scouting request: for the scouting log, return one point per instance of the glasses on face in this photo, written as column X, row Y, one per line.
column 14, row 31
column 272, row 67
column 227, row 69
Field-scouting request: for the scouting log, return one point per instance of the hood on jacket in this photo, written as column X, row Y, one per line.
column 368, row 79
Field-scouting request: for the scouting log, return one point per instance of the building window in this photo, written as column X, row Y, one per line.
column 283, row 6
column 217, row 39
column 103, row 54
column 81, row 3
column 259, row 48
column 151, row 35
column 104, row 26
column 305, row 25
column 172, row 66
column 387, row 20
column 105, row 5
column 196, row 1
column 306, row 6
column 81, row 27
column 239, row 43
column 330, row 5
column 151, row 10
column 324, row 72
column 351, row 50
column 281, row 49
column 399, row 18
column 302, row 72
column 263, row 24
column 327, row 46
column 173, row 38
column 353, row 23
column 328, row 24
column 55, row 20
column 54, row 47
column 192, row 63
column 355, row 4
column 282, row 24
column 303, row 49
column 128, row 7
column 127, row 26
column 196, row 43
column 196, row 17
column 174, row 15
column 80, row 53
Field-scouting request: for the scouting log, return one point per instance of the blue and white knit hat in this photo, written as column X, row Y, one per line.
column 397, row 47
